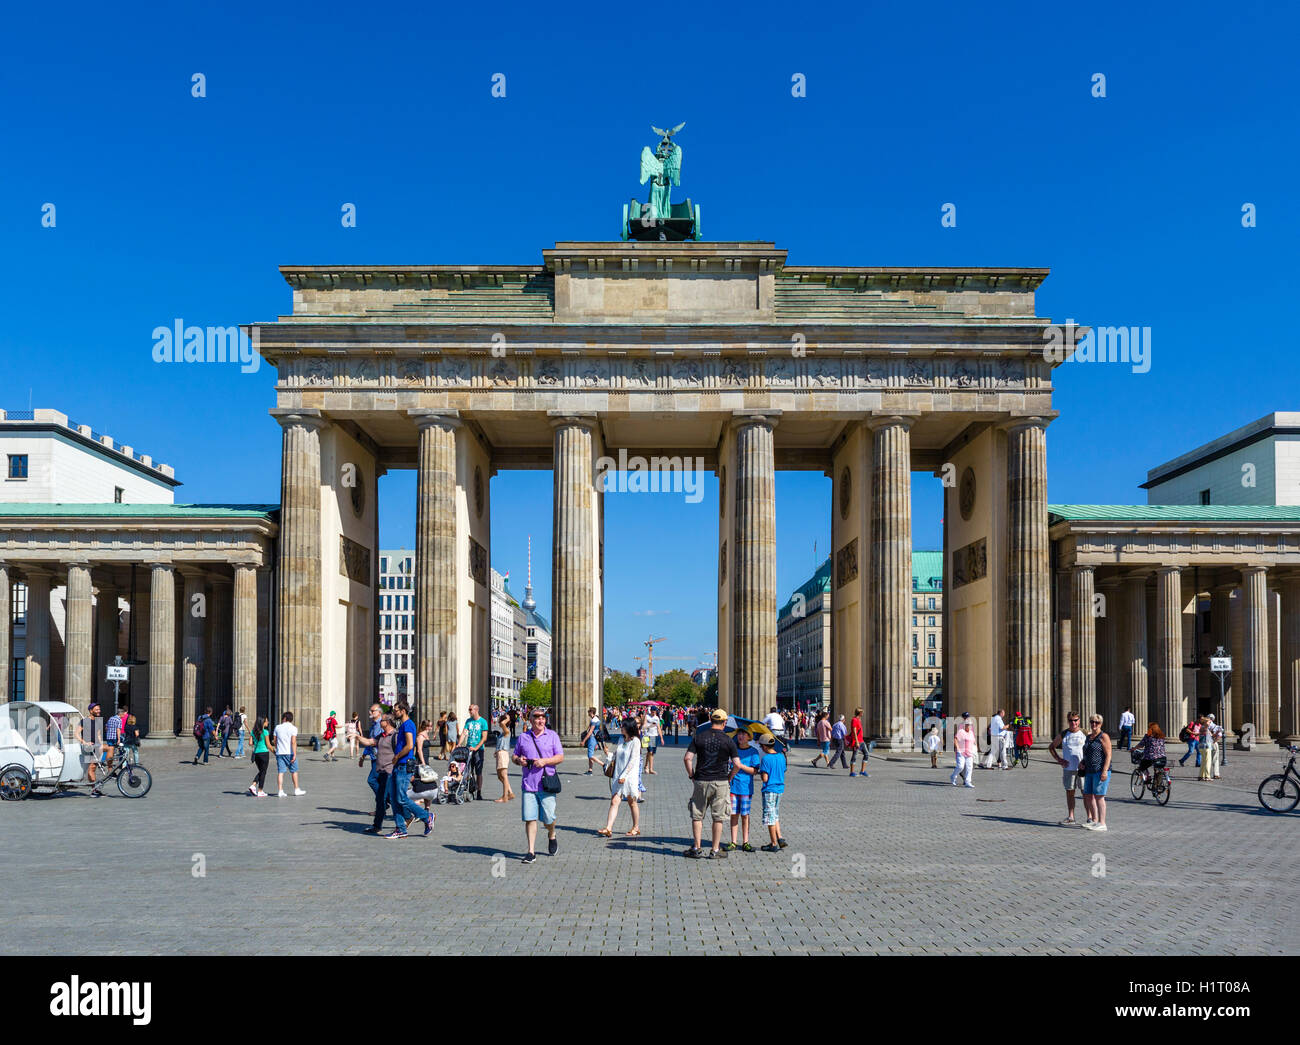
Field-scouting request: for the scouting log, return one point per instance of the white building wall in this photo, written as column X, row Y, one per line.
column 1223, row 478
column 62, row 471
column 503, row 640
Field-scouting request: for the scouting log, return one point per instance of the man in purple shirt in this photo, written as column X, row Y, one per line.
column 538, row 750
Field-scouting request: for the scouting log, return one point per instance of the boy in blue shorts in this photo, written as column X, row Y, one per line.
column 742, row 789
column 772, row 768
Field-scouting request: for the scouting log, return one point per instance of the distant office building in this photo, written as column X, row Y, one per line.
column 538, row 632
column 927, row 625
column 396, row 625
column 504, row 684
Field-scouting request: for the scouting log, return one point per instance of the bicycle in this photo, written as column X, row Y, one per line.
column 133, row 780
column 1155, row 778
column 1280, row 793
column 1020, row 755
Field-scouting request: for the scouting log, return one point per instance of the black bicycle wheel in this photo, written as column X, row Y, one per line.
column 134, row 781
column 1024, row 758
column 1162, row 796
column 1279, row 794
column 1137, row 785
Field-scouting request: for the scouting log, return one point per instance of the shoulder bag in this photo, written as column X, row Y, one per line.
column 550, row 781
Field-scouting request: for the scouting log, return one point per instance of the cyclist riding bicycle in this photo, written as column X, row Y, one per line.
column 1150, row 750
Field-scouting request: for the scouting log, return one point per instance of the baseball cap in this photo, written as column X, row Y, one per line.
column 718, row 715
column 767, row 740
column 965, row 714
column 1210, row 717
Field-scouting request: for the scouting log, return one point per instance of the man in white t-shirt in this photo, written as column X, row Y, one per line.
column 997, row 752
column 1070, row 744
column 286, row 754
column 1126, row 723
column 773, row 721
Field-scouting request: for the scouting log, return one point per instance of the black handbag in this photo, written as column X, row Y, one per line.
column 550, row 781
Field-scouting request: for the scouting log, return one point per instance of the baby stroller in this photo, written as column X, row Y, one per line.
column 461, row 785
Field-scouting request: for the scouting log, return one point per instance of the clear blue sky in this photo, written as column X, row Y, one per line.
column 170, row 207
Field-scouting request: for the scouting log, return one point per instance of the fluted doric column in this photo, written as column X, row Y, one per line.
column 890, row 575
column 217, row 683
column 1108, row 688
column 36, row 670
column 435, row 564
column 243, row 657
column 1083, row 645
column 161, row 715
column 1222, row 635
column 193, row 645
column 6, row 630
column 107, row 620
column 298, row 648
column 1289, row 726
column 1029, row 605
column 78, row 649
column 575, row 684
column 753, row 578
column 1254, row 661
column 1133, row 659
column 1171, row 707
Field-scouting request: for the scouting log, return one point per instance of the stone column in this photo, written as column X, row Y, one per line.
column 1289, row 727
column 1254, row 652
column 221, row 624
column 889, row 710
column 1083, row 645
column 161, row 715
column 1064, row 693
column 573, row 650
column 1029, row 650
column 78, row 646
column 1108, row 690
column 107, row 621
column 6, row 631
column 244, row 640
column 753, row 561
column 194, row 629
column 38, row 634
column 299, row 617
column 435, row 564
column 1221, row 623
column 1171, row 707
column 1133, row 659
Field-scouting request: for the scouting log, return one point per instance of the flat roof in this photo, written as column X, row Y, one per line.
column 1173, row 513
column 1277, row 423
column 16, row 509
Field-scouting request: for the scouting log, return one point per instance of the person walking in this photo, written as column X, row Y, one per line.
column 591, row 739
column 223, row 734
column 241, row 728
column 1095, row 764
column 399, row 782
column 709, row 760
column 505, row 727
column 453, row 733
column 822, row 731
column 442, row 735
column 539, row 751
column 965, row 747
column 380, row 746
column 625, row 780
column 352, row 731
column 286, row 754
column 474, row 736
column 839, row 735
column 1070, row 743
column 261, row 757
column 204, row 728
column 1191, row 736
column 1126, row 723
column 930, row 743
column 858, row 744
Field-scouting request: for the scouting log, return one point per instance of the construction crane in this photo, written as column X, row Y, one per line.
column 650, row 660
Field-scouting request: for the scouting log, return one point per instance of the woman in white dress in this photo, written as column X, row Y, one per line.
column 625, row 779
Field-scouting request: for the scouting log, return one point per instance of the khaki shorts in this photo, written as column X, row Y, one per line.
column 712, row 797
column 1072, row 779
column 503, row 760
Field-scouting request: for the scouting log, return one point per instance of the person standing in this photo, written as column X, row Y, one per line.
column 775, row 722
column 624, row 785
column 857, row 744
column 1095, row 763
column 965, row 747
column 539, row 751
column 379, row 745
column 772, row 769
column 1070, row 743
column 261, row 757
column 286, row 754
column 241, row 728
column 590, row 738
column 352, row 731
column 930, row 743
column 997, row 752
column 822, row 731
column 399, row 781
column 474, row 736
column 652, row 725
column 742, row 790
column 331, row 737
column 131, row 739
column 442, row 735
column 709, row 760
column 1126, row 722
column 1212, row 758
column 505, row 726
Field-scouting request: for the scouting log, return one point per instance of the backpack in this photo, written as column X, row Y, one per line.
column 1185, row 735
column 200, row 730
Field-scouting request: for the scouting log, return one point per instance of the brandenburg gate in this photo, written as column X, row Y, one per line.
column 670, row 349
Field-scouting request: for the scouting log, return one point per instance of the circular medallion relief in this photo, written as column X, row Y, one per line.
column 846, row 492
column 358, row 493
column 966, row 494
column 478, row 492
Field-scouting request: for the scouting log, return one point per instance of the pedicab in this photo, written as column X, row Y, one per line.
column 37, row 753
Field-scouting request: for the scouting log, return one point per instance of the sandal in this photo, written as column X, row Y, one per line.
column 632, row 834
column 500, row 800
column 605, row 833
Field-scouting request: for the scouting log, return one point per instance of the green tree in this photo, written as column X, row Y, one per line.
column 536, row 694
column 676, row 687
column 622, row 689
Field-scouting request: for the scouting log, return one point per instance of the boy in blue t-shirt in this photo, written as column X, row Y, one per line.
column 772, row 768
column 742, row 789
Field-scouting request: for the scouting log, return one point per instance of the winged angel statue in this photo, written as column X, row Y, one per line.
column 660, row 218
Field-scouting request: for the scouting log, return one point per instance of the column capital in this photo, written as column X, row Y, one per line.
column 1164, row 571
column 159, row 564
column 245, row 564
column 1251, row 569
column 1082, row 568
column 767, row 418
column 877, row 421
column 448, row 419
column 300, row 417
column 1041, row 421
column 572, row 418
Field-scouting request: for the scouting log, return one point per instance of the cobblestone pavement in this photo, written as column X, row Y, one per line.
column 897, row 863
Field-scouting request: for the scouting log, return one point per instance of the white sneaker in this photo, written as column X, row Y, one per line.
column 1100, row 827
column 299, row 791
column 261, row 794
column 282, row 795
column 971, row 786
column 252, row 789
